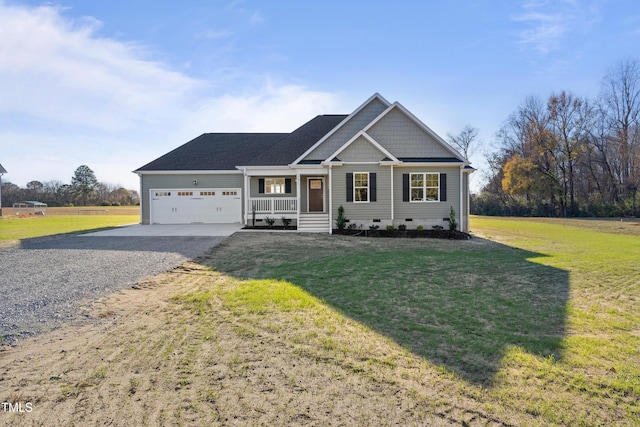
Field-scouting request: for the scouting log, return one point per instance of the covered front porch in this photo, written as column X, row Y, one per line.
column 278, row 194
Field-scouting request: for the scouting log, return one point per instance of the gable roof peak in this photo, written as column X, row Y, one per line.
column 372, row 98
column 417, row 121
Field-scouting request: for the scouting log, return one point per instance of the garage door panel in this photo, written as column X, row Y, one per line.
column 186, row 206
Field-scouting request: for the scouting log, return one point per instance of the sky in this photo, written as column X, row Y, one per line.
column 115, row 84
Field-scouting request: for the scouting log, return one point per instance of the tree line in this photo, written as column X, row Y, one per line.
column 568, row 155
column 84, row 190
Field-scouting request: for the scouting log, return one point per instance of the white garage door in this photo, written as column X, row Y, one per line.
column 186, row 206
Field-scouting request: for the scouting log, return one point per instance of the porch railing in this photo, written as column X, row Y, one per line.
column 273, row 205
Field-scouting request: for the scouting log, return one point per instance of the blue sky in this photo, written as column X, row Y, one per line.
column 114, row 85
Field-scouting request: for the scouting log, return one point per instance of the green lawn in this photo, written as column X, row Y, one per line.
column 13, row 229
column 536, row 318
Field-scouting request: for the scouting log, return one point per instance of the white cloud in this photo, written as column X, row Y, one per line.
column 270, row 108
column 61, row 71
column 547, row 23
column 69, row 97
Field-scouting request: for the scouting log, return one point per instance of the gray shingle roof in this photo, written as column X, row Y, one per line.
column 292, row 146
column 225, row 151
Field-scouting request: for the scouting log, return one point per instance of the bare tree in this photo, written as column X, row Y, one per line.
column 621, row 97
column 465, row 141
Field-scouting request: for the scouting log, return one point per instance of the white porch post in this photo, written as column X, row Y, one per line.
column 462, row 225
column 329, row 181
column 247, row 190
column 392, row 208
column 298, row 192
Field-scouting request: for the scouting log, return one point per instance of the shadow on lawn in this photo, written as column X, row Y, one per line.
column 461, row 307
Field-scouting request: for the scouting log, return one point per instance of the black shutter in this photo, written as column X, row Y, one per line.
column 373, row 187
column 443, row 187
column 349, row 187
column 261, row 186
column 287, row 185
column 405, row 187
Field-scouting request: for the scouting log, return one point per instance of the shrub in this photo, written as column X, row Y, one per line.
column 402, row 227
column 285, row 221
column 389, row 227
column 373, row 227
column 341, row 220
column 420, row 228
column 438, row 227
column 452, row 220
column 270, row 221
column 351, row 226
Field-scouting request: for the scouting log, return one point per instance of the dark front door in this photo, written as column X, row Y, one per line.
column 316, row 193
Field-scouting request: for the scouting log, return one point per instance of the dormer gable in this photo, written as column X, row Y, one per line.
column 344, row 131
column 362, row 148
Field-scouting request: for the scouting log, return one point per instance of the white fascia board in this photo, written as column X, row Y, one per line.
column 267, row 170
column 342, row 123
column 189, row 172
column 369, row 139
column 420, row 124
column 311, row 169
column 428, row 164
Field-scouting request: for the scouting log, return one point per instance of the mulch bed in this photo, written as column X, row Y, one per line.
column 430, row 234
column 267, row 228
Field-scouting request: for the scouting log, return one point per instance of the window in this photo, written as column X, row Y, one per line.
column 274, row 186
column 425, row 187
column 361, row 187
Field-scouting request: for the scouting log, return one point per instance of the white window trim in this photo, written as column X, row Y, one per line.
column 424, row 187
column 368, row 187
column 267, row 187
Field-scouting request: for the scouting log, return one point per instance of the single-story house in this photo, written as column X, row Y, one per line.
column 380, row 163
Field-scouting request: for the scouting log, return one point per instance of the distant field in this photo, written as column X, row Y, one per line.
column 13, row 228
column 80, row 210
column 629, row 226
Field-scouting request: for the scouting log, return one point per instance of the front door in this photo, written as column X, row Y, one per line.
column 316, row 195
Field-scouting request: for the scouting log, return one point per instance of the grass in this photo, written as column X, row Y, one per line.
column 541, row 319
column 60, row 221
column 533, row 322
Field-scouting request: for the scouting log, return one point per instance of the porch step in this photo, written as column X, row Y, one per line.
column 314, row 223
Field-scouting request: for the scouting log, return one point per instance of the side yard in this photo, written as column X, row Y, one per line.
column 531, row 323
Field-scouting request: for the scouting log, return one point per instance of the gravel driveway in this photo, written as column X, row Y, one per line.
column 45, row 281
